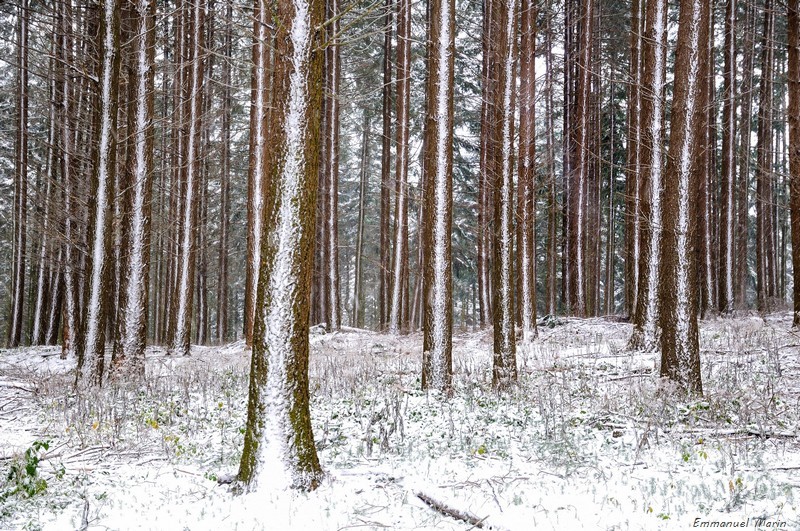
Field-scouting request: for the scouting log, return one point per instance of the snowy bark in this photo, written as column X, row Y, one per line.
column 385, row 268
column 793, row 114
column 437, row 280
column 184, row 288
column 634, row 167
column 645, row 334
column 504, row 366
column 526, row 202
column 333, row 310
column 680, row 349
column 256, row 184
column 399, row 282
column 727, row 210
column 100, row 254
column 279, row 445
column 132, row 323
column 14, row 337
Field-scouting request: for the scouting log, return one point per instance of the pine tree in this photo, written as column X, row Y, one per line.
column 279, row 444
column 793, row 114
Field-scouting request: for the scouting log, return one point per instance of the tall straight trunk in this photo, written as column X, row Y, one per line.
column 651, row 178
column 190, row 188
column 633, row 215
column 727, row 213
column 71, row 328
column 15, row 319
column 333, row 314
column 225, row 179
column 706, row 165
column 502, row 71
column 256, row 177
column 384, row 269
column 132, row 322
column 484, row 217
column 743, row 184
column 568, row 160
column 437, row 357
column 608, row 297
column 793, row 114
column 577, row 244
column 42, row 296
column 101, row 222
column 526, row 192
column 765, row 248
column 358, row 292
column 551, row 285
column 399, row 296
column 680, row 348
column 279, row 443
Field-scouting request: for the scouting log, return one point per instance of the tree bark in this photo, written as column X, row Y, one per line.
column 680, row 349
column 727, row 213
column 793, row 114
column 279, row 444
column 437, row 359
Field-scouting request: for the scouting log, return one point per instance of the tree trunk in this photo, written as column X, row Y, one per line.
column 190, row 188
column 680, row 349
column 793, row 114
column 399, row 282
column 256, row 183
column 727, row 213
column 633, row 215
column 645, row 333
column 526, row 193
column 437, row 369
column 358, row 292
column 765, row 249
column 90, row 372
column 225, row 179
column 132, row 323
column 15, row 320
column 279, row 444
column 384, row 269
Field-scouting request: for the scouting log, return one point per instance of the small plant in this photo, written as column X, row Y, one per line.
column 23, row 476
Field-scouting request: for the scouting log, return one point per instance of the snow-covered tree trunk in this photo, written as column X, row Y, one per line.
column 793, row 115
column 651, row 180
column 20, row 216
column 399, row 296
column 333, row 315
column 502, row 70
column 438, row 198
column 70, row 318
column 259, row 146
column 633, row 216
column 187, row 252
column 385, row 267
column 580, row 132
column 765, row 248
column 526, row 173
column 680, row 349
column 484, row 218
column 551, row 284
column 224, row 177
column 358, row 291
column 132, row 321
column 727, row 212
column 98, row 293
column 743, row 182
column 279, row 445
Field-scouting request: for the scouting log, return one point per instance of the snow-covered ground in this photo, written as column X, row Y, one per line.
column 590, row 439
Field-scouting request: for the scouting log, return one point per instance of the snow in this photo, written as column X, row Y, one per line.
column 590, row 439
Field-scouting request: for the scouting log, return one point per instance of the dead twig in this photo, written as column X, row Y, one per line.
column 439, row 507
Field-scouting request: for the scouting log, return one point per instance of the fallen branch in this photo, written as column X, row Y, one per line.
column 449, row 511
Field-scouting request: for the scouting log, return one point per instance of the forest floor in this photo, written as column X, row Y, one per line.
column 590, row 438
